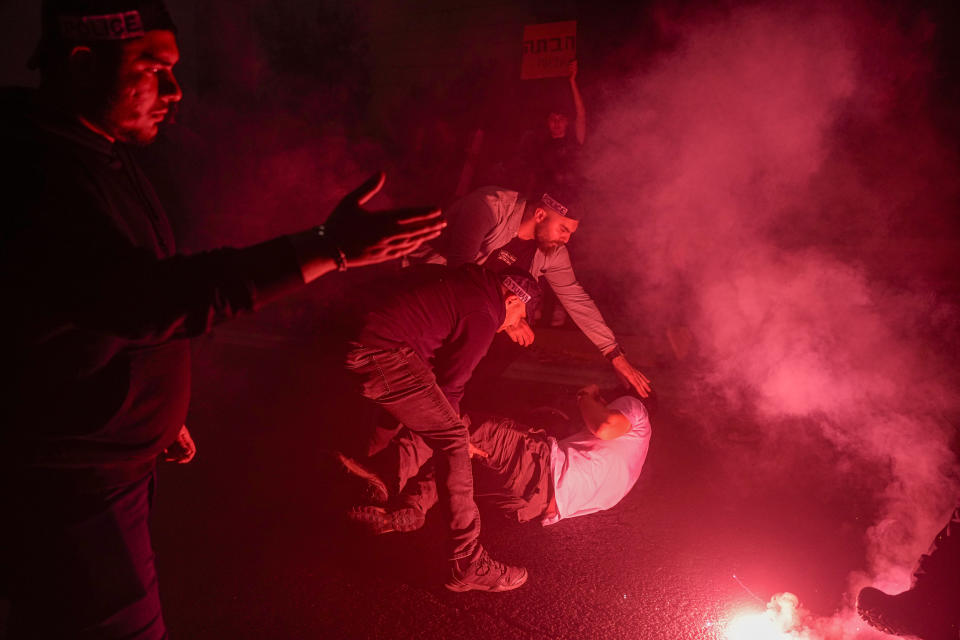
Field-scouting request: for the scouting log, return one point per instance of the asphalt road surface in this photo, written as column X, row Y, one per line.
column 251, row 539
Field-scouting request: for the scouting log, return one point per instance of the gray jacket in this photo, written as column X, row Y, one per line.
column 488, row 218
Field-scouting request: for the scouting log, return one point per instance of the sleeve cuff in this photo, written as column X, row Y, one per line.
column 615, row 352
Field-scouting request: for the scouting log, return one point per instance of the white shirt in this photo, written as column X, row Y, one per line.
column 590, row 474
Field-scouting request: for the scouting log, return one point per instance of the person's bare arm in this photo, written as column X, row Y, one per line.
column 603, row 422
column 580, row 118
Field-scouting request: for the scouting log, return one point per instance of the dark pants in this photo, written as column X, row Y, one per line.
column 941, row 564
column 401, row 382
column 80, row 564
column 515, row 477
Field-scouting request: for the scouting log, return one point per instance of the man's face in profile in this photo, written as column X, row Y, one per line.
column 144, row 88
column 553, row 230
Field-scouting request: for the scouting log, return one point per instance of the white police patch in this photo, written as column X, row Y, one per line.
column 516, row 289
column 111, row 26
column 554, row 204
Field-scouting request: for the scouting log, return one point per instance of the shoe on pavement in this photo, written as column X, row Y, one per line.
column 911, row 613
column 372, row 489
column 483, row 573
column 378, row 520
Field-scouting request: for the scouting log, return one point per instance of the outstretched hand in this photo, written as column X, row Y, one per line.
column 631, row 376
column 572, row 70
column 369, row 237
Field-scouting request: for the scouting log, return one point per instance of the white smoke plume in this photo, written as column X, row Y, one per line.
column 785, row 193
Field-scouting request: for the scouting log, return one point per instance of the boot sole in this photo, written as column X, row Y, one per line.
column 377, row 521
column 872, row 611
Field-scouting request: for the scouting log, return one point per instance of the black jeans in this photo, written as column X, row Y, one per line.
column 80, row 564
column 401, row 382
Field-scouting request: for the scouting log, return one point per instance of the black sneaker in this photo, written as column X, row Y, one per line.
column 911, row 613
column 371, row 488
column 378, row 520
column 483, row 573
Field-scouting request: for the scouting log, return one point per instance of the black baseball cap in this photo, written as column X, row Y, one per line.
column 560, row 198
column 67, row 23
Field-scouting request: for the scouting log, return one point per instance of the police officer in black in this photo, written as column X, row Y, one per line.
column 99, row 306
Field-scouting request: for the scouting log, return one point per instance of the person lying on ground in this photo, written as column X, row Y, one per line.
column 521, row 470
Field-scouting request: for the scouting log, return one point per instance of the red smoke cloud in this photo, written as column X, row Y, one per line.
column 790, row 199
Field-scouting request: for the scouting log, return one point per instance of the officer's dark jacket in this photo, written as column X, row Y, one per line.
column 98, row 303
column 447, row 316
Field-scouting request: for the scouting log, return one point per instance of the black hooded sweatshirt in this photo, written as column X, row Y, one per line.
column 98, row 303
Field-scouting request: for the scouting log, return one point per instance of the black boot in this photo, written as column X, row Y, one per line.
column 931, row 609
